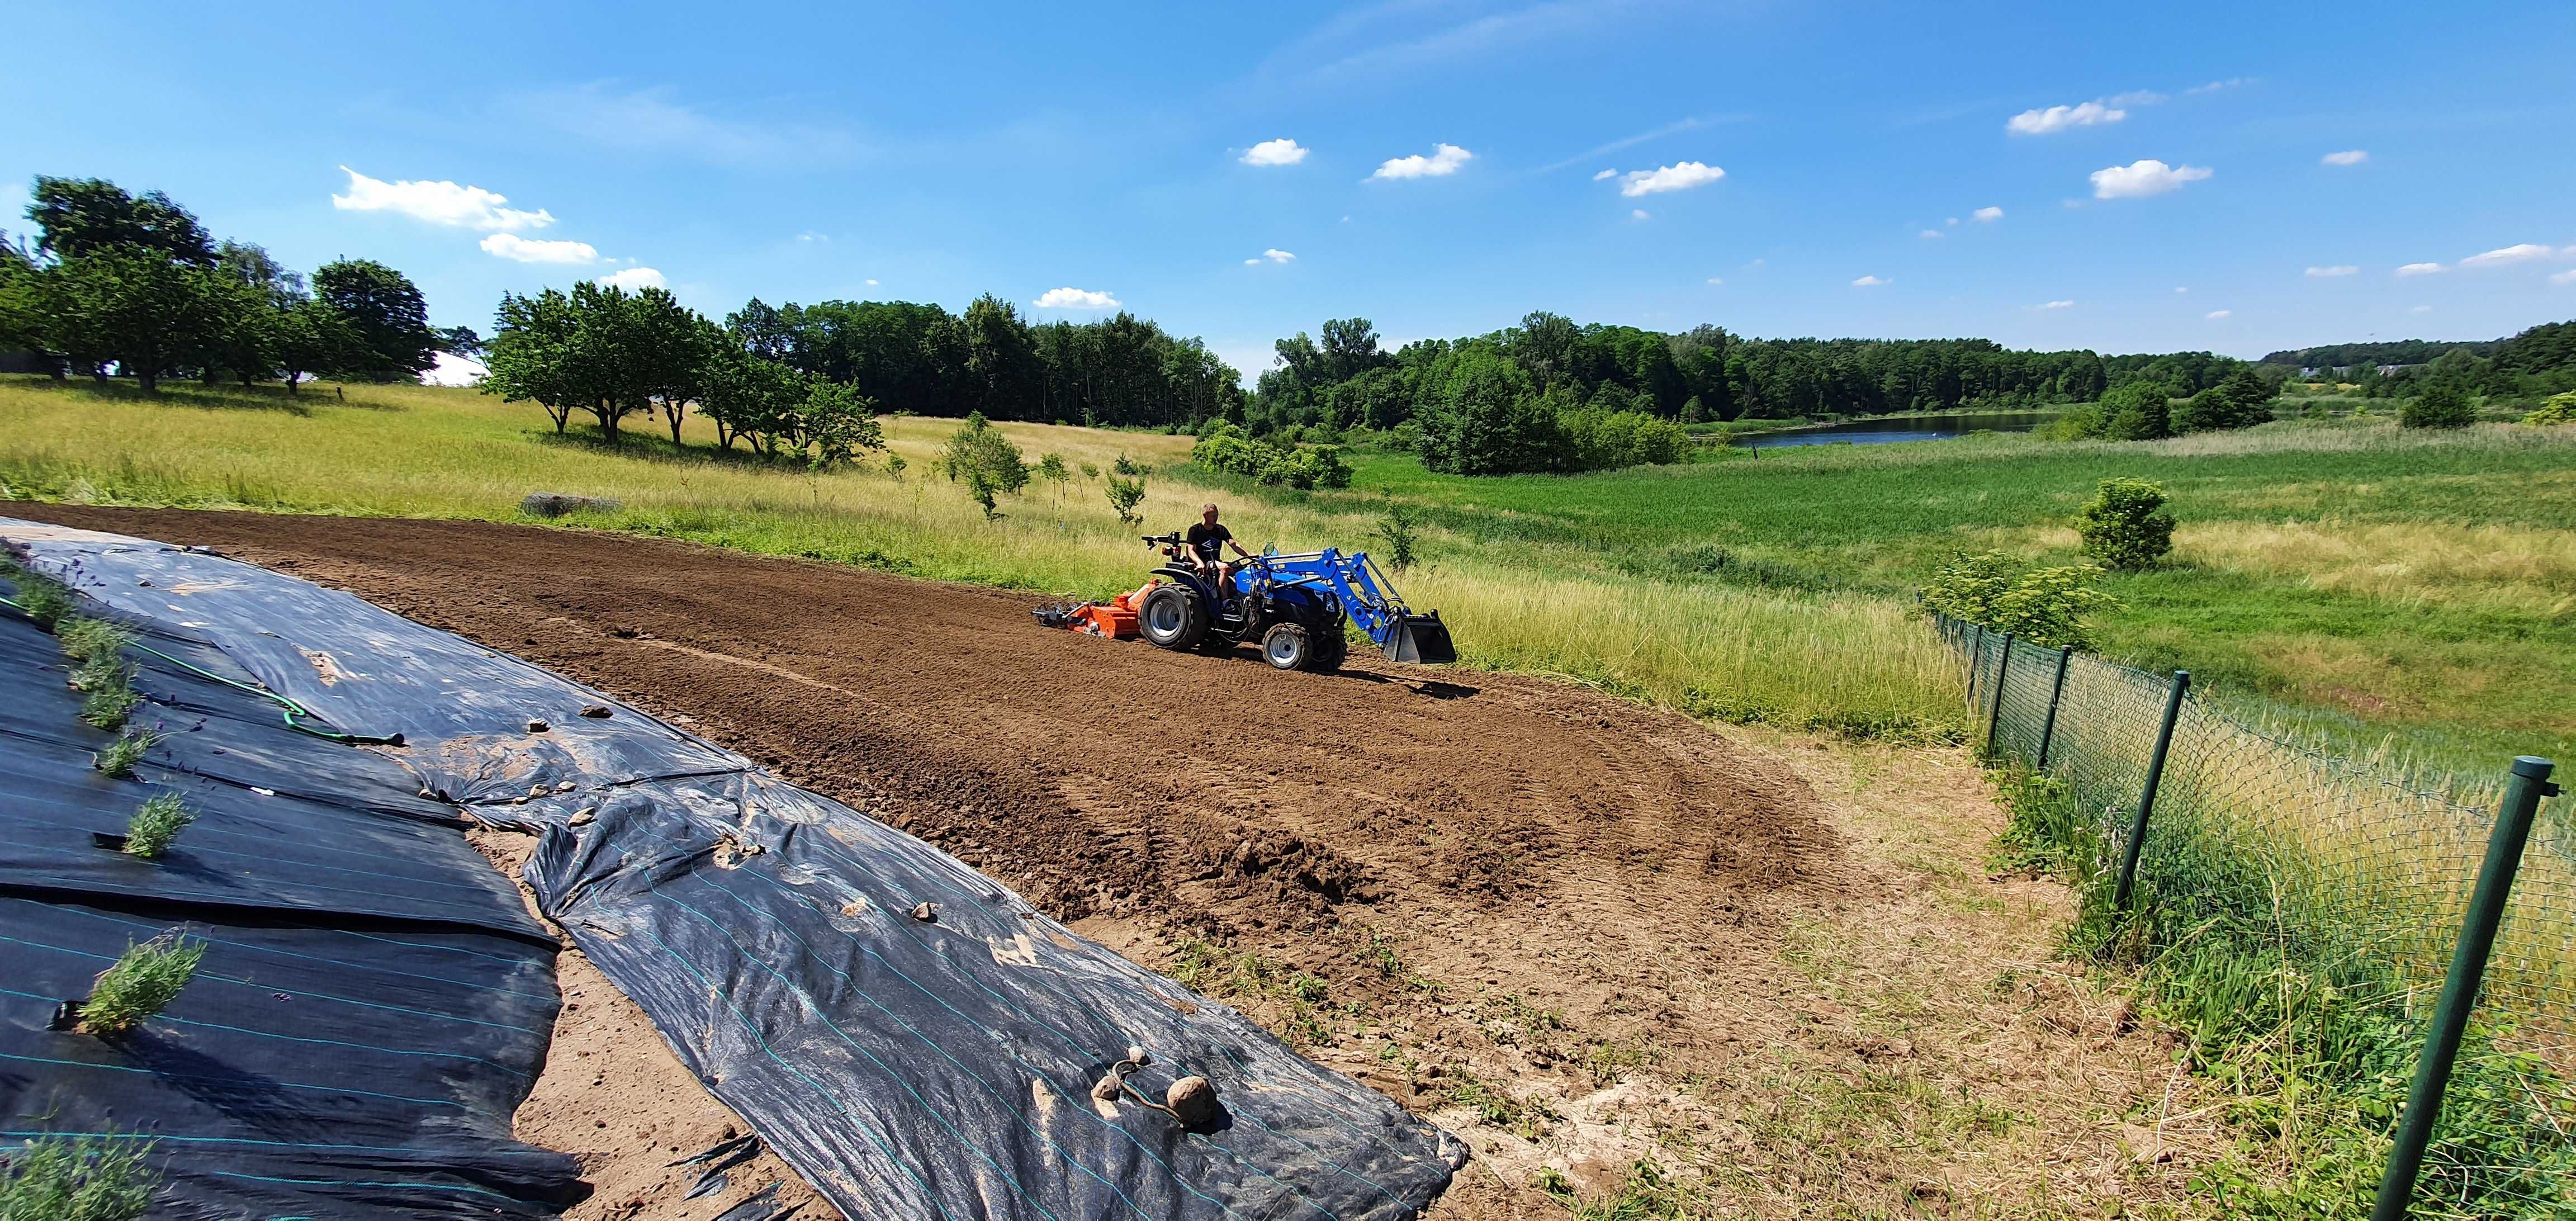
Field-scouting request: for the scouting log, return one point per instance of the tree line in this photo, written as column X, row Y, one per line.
column 138, row 283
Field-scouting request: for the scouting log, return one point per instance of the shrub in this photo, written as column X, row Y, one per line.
column 1224, row 447
column 142, row 983
column 1396, row 529
column 2444, row 404
column 2242, row 401
column 93, row 1178
column 1051, row 467
column 1130, row 467
column 2079, row 423
column 2556, row 409
column 43, row 601
column 2126, row 526
column 1603, row 440
column 2138, row 411
column 82, row 638
column 1124, row 495
column 153, row 827
column 111, row 696
column 116, row 760
column 2045, row 606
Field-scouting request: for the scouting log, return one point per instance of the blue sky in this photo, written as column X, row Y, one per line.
column 933, row 152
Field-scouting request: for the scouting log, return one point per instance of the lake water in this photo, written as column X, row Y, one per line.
column 1886, row 431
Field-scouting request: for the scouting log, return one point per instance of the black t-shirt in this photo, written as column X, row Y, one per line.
column 1209, row 541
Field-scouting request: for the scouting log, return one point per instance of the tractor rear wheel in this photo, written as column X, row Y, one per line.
column 1331, row 649
column 1173, row 617
column 1288, row 646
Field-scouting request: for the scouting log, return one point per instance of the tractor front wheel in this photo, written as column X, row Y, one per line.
column 1288, row 646
column 1173, row 617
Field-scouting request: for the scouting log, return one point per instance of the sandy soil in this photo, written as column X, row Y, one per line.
column 1579, row 932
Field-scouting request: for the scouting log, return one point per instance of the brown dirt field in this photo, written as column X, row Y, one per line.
column 1577, row 931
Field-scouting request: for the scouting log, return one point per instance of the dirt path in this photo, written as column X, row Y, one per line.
column 1579, row 931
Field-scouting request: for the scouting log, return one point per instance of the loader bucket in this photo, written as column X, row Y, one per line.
column 1422, row 640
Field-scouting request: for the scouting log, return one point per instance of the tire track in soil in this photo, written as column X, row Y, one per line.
column 1509, row 835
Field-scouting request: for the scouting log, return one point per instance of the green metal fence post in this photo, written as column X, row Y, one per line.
column 2147, row 797
column 1995, row 711
column 2056, row 692
column 2522, row 797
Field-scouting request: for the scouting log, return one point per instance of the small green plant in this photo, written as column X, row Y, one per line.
column 895, row 465
column 1051, row 468
column 2443, row 404
column 150, row 831
column 84, row 639
column 990, row 465
column 1130, row 467
column 1124, row 495
column 44, row 601
column 91, row 1178
column 2556, row 409
column 1497, row 1108
column 2043, row 606
column 145, row 979
column 117, row 759
column 111, row 696
column 2126, row 527
column 1089, row 471
column 1396, row 528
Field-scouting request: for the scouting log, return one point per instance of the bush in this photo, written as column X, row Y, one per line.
column 2045, row 606
column 142, row 983
column 2126, row 526
column 1224, row 447
column 2444, row 404
column 116, row 760
column 43, row 601
column 1603, row 440
column 2556, row 409
column 1396, row 529
column 93, row 1178
column 2138, row 411
column 1124, row 495
column 1051, row 467
column 148, row 834
column 2242, row 401
column 83, row 638
column 985, row 460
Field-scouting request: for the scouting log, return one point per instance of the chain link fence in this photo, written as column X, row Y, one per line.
column 2304, row 911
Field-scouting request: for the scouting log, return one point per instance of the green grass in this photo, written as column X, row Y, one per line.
column 89, row 1178
column 143, row 982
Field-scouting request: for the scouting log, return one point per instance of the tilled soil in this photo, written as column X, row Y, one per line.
column 1502, row 900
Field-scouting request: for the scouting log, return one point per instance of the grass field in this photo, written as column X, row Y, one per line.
column 2406, row 594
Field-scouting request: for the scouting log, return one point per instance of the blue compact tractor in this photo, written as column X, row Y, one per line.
column 1293, row 606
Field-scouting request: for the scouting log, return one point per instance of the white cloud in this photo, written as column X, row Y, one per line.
column 872, row 284
column 812, row 236
column 1605, row 174
column 2059, row 118
column 2420, row 269
column 2563, row 277
column 1276, row 255
column 2057, row 305
column 1680, row 176
column 651, row 119
column 2181, row 290
column 1716, row 280
column 2219, row 313
column 2420, row 309
column 1952, row 221
column 1870, row 282
column 513, row 246
column 1637, row 214
column 2143, row 178
column 635, row 279
column 2523, row 253
column 1989, row 215
column 2328, row 273
column 1282, row 151
column 1443, row 161
column 2350, row 156
column 1931, row 233
column 2136, row 97
column 439, row 203
column 1075, row 298
column 2215, row 86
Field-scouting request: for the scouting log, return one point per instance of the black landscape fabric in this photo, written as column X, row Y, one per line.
column 908, row 1068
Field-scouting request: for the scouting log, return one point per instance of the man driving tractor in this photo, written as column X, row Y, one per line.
column 1207, row 542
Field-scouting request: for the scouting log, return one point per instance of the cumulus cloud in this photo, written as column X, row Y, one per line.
column 2055, row 119
column 1637, row 214
column 635, row 279
column 872, row 284
column 1075, row 298
column 1931, row 233
column 2350, row 156
column 1870, row 282
column 1952, row 221
column 1605, row 174
column 2563, row 277
column 439, row 203
column 2328, row 273
column 2419, row 269
column 2139, row 179
column 2057, row 305
column 1681, row 176
column 2522, row 253
column 1272, row 255
column 2219, row 313
column 1443, row 161
column 1282, row 151
column 1988, row 215
column 513, row 246
column 1717, row 280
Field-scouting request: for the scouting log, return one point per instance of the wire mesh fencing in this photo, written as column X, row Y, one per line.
column 2308, row 907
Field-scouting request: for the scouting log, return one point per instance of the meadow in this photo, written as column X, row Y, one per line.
column 2381, row 593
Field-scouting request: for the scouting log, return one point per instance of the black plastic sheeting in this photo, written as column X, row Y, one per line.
column 906, row 1068
column 371, row 1008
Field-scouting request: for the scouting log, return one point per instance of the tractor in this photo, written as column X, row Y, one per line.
column 1292, row 606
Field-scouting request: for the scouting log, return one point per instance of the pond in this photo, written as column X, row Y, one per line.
column 1882, row 431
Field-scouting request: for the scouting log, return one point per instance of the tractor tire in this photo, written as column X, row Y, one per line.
column 1332, row 648
column 1173, row 617
column 1288, row 646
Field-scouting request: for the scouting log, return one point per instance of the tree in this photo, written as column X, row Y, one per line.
column 1482, row 415
column 2242, row 401
column 2125, row 526
column 457, row 341
column 382, row 306
column 835, row 422
column 1001, row 358
column 666, row 348
column 306, row 337
column 2443, row 404
column 2138, row 411
column 75, row 216
column 129, row 304
column 534, row 355
column 753, row 398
